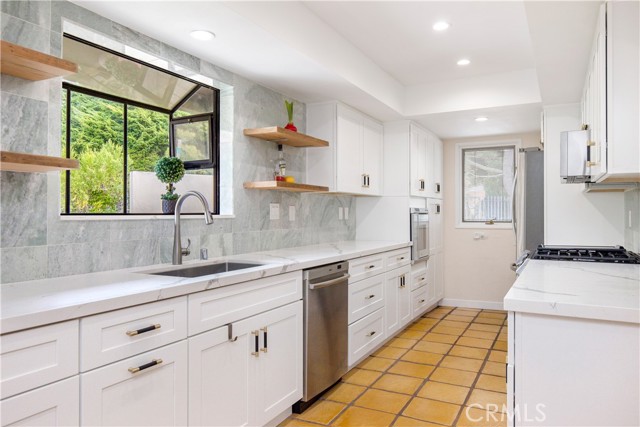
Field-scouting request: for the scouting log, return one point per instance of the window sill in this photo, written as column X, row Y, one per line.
column 136, row 217
column 482, row 226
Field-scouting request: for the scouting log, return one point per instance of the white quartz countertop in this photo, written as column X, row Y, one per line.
column 588, row 290
column 39, row 302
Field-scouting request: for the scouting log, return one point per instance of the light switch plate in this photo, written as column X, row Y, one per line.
column 292, row 213
column 346, row 213
column 340, row 213
column 274, row 211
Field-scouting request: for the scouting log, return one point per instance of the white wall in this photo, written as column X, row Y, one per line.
column 476, row 270
column 573, row 217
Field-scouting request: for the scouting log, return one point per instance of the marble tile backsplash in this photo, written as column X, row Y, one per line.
column 36, row 243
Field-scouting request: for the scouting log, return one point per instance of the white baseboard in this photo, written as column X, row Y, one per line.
column 489, row 305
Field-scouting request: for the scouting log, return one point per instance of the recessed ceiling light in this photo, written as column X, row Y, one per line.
column 463, row 62
column 481, row 119
column 440, row 26
column 202, row 35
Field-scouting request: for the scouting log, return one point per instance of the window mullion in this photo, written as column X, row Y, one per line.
column 125, row 144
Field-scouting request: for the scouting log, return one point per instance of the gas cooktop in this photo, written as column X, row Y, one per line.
column 616, row 254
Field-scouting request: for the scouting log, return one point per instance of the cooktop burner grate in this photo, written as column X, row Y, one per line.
column 615, row 254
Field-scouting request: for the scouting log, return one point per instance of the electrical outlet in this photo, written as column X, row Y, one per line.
column 274, row 211
column 340, row 213
column 292, row 213
column 346, row 213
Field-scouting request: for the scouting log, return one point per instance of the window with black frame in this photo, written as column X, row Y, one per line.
column 119, row 117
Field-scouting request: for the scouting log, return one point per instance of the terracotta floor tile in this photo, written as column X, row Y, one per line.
column 461, row 363
column 417, row 370
column 498, row 356
column 488, row 400
column 376, row 363
column 467, row 310
column 401, row 343
column 427, row 321
column 474, row 417
column 432, row 347
column 344, row 392
column 444, row 392
column 432, row 411
column 412, row 422
column 492, row 383
column 495, row 368
column 412, row 335
column 453, row 323
column 459, row 318
column 432, row 315
column 446, row 339
column 382, row 401
column 470, row 352
column 486, row 310
column 355, row 416
column 448, row 330
column 421, row 327
column 390, row 352
column 480, row 334
column 361, row 377
column 398, row 383
column 295, row 422
column 453, row 376
column 322, row 412
column 504, row 329
column 474, row 342
column 501, row 345
column 503, row 337
column 481, row 327
column 422, row 357
column 490, row 315
column 488, row 321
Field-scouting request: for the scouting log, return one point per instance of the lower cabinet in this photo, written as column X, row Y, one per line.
column 419, row 301
column 365, row 335
column 397, row 299
column 149, row 389
column 438, row 264
column 248, row 372
column 57, row 404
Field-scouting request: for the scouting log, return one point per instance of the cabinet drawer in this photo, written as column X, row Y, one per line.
column 217, row 307
column 397, row 258
column 419, row 301
column 361, row 268
column 365, row 297
column 57, row 404
column 419, row 275
column 119, row 334
column 118, row 395
column 365, row 335
column 39, row 356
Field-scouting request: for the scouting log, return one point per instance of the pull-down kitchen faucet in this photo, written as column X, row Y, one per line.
column 178, row 250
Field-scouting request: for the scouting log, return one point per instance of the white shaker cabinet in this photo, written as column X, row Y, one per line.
column 418, row 161
column 397, row 299
column 353, row 161
column 611, row 96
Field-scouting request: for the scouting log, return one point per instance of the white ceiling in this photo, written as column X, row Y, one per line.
column 383, row 57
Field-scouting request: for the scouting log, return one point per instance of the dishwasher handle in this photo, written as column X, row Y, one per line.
column 331, row 282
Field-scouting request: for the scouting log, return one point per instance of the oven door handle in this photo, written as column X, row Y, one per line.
column 331, row 282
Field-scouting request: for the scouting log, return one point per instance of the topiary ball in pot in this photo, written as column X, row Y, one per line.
column 169, row 170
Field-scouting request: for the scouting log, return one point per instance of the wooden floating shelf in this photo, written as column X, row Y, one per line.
column 30, row 64
column 285, row 136
column 23, row 162
column 284, row 186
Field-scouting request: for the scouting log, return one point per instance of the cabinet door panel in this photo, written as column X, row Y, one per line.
column 219, row 377
column 404, row 299
column 156, row 396
column 57, row 404
column 438, row 155
column 372, row 155
column 349, row 152
column 277, row 380
column 436, row 237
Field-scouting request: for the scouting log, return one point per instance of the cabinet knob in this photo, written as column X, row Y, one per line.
column 370, row 296
column 372, row 333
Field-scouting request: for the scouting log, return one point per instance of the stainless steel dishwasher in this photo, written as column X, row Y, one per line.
column 326, row 315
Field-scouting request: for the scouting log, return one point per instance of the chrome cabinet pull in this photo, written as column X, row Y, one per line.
column 372, row 333
column 265, row 348
column 369, row 267
column 230, row 333
column 421, row 182
column 143, row 330
column 256, row 335
column 421, row 301
column 368, row 181
column 364, row 180
column 402, row 281
column 437, row 187
column 370, row 296
column 400, row 258
column 154, row 362
column 437, row 209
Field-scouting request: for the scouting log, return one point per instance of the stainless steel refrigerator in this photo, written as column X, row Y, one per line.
column 528, row 203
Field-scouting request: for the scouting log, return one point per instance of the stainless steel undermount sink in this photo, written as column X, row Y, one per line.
column 205, row 270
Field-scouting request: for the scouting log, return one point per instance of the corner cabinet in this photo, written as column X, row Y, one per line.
column 611, row 99
column 353, row 162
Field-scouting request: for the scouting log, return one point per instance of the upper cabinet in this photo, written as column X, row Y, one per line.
column 353, row 162
column 413, row 161
column 610, row 102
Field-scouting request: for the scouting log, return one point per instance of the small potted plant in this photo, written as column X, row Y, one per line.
column 169, row 170
column 290, row 125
